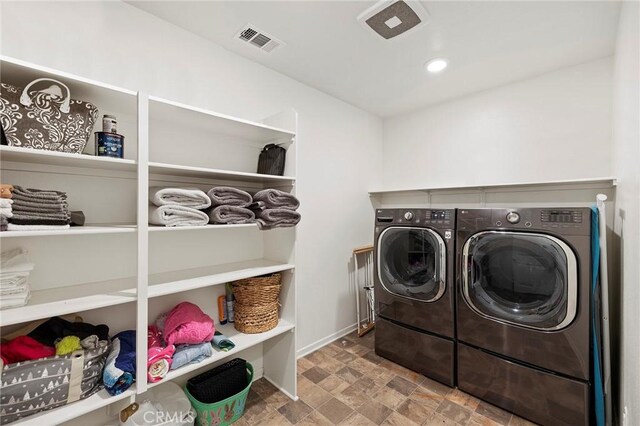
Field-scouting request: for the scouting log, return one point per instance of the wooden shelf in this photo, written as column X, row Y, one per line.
column 215, row 123
column 156, row 228
column 75, row 409
column 205, row 173
column 190, row 279
column 242, row 342
column 608, row 181
column 71, row 299
column 74, row 230
column 53, row 158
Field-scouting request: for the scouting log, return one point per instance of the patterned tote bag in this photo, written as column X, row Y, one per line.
column 46, row 119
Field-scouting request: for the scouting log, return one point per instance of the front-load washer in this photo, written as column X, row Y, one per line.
column 523, row 310
column 414, row 262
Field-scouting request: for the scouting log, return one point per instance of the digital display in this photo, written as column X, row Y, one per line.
column 438, row 215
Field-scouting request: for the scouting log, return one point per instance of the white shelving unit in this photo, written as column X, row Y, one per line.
column 123, row 272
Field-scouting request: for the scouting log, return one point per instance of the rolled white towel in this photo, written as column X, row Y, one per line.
column 186, row 197
column 177, row 215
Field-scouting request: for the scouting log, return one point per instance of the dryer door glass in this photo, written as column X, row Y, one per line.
column 519, row 278
column 411, row 263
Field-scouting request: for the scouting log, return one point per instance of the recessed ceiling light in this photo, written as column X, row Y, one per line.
column 436, row 65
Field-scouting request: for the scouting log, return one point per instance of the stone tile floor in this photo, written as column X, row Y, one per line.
column 346, row 383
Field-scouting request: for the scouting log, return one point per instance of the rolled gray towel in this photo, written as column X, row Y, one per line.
column 227, row 196
column 276, row 199
column 231, row 215
column 277, row 218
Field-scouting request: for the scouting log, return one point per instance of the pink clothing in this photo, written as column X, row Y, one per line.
column 187, row 324
column 154, row 337
column 24, row 348
column 159, row 362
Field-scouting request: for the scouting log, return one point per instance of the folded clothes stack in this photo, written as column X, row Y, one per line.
column 229, row 206
column 55, row 336
column 6, row 212
column 183, row 335
column 275, row 209
column 178, row 207
column 120, row 369
column 14, row 278
column 36, row 209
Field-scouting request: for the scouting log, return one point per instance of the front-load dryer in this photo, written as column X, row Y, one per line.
column 523, row 310
column 414, row 263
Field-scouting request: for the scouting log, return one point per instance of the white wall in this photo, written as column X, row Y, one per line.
column 339, row 145
column 552, row 127
column 626, row 163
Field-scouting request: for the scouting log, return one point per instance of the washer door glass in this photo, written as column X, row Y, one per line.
column 411, row 263
column 524, row 279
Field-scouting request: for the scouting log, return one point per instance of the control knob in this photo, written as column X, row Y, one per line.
column 408, row 215
column 513, row 217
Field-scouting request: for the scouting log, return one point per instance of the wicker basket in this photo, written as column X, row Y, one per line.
column 256, row 306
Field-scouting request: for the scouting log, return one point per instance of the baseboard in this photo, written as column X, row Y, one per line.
column 325, row 341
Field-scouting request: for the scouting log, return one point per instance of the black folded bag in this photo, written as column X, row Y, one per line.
column 219, row 383
column 271, row 160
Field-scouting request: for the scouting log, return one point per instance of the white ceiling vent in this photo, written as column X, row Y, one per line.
column 258, row 38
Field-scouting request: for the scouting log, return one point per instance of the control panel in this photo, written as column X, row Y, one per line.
column 438, row 217
column 409, row 216
column 561, row 216
column 561, row 220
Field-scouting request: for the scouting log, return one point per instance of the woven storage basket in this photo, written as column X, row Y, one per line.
column 256, row 306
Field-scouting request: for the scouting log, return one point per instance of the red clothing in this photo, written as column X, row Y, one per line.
column 24, row 348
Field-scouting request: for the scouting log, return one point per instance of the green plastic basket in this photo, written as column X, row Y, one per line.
column 224, row 412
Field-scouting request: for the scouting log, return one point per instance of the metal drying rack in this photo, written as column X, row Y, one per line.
column 367, row 323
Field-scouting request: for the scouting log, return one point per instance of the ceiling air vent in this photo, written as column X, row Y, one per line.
column 258, row 39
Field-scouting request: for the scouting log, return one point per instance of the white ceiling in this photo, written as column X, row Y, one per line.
column 487, row 44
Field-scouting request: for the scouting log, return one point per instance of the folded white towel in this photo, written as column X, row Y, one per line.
column 15, row 300
column 14, row 227
column 5, row 202
column 176, row 215
column 11, row 282
column 14, row 263
column 15, row 290
column 186, row 197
